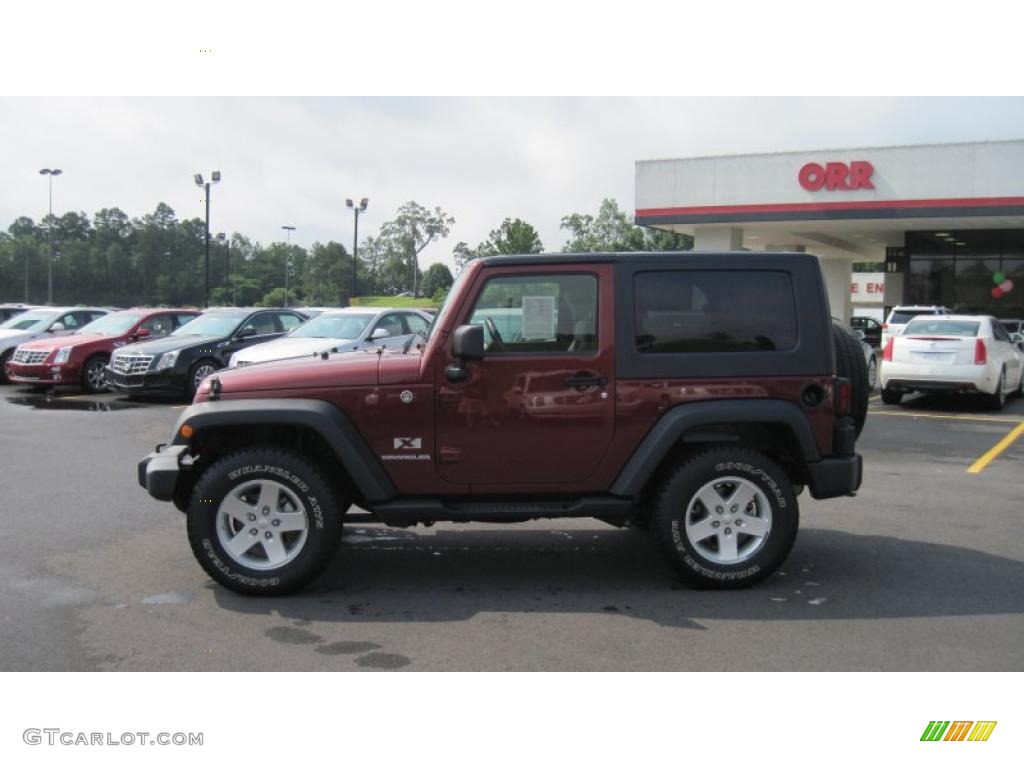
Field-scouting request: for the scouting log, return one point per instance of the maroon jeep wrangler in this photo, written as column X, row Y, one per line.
column 695, row 394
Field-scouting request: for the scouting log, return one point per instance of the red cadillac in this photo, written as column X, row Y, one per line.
column 81, row 357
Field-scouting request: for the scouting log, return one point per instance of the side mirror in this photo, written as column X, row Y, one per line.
column 142, row 333
column 379, row 333
column 246, row 332
column 468, row 342
column 56, row 327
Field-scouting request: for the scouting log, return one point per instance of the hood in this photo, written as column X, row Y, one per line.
column 288, row 346
column 170, row 343
column 10, row 337
column 353, row 369
column 73, row 340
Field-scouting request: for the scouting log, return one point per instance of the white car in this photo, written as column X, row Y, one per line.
column 340, row 330
column 901, row 315
column 953, row 353
column 41, row 321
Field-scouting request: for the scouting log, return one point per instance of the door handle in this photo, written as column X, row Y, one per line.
column 581, row 381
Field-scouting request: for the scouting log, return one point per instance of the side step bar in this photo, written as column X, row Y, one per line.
column 412, row 511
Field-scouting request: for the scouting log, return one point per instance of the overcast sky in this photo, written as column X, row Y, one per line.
column 294, row 161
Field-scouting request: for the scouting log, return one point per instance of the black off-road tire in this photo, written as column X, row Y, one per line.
column 305, row 480
column 850, row 364
column 87, row 383
column 891, row 397
column 678, row 490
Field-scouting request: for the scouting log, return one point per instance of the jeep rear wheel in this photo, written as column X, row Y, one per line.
column 726, row 517
column 263, row 521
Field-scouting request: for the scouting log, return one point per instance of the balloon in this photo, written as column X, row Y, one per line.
column 997, row 292
column 998, row 277
column 1006, row 286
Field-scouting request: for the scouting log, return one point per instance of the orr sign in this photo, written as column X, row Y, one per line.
column 836, row 176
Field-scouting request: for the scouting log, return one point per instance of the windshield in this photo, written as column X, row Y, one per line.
column 332, row 327
column 219, row 324
column 29, row 321
column 112, row 325
column 940, row 327
column 446, row 305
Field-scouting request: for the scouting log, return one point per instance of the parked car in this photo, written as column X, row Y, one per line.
column 39, row 322
column 871, row 328
column 177, row 364
column 340, row 330
column 1013, row 325
column 7, row 311
column 901, row 315
column 740, row 393
column 82, row 357
column 870, row 360
column 955, row 354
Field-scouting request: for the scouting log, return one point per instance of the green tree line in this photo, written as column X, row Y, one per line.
column 158, row 259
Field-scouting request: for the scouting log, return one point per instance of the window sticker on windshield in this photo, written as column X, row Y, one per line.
column 538, row 317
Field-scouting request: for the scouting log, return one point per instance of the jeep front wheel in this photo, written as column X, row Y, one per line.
column 726, row 517
column 263, row 521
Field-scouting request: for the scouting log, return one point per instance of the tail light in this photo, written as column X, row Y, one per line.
column 844, row 397
column 887, row 352
column 980, row 352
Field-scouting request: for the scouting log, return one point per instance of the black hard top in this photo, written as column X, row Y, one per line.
column 776, row 257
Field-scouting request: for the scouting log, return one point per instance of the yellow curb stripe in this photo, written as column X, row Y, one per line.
column 996, row 449
column 953, row 416
column 872, row 399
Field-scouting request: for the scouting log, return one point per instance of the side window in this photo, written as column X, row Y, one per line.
column 180, row 320
column 392, row 323
column 999, row 332
column 70, row 321
column 264, row 323
column 525, row 314
column 714, row 311
column 416, row 323
column 158, row 325
column 290, row 322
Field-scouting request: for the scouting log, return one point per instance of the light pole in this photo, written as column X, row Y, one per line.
column 51, row 172
column 227, row 266
column 356, row 210
column 214, row 178
column 288, row 229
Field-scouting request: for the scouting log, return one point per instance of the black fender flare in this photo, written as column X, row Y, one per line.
column 319, row 416
column 682, row 418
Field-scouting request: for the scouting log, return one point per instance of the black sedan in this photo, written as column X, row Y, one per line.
column 177, row 364
column 872, row 329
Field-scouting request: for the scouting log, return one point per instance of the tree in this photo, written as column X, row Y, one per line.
column 514, row 236
column 415, row 227
column 437, row 278
column 612, row 229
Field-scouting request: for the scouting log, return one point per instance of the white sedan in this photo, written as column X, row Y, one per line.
column 953, row 353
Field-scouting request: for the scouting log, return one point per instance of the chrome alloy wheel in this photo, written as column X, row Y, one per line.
column 261, row 524
column 728, row 520
column 96, row 375
column 201, row 373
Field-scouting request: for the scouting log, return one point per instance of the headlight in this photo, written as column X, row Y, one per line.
column 167, row 360
column 62, row 355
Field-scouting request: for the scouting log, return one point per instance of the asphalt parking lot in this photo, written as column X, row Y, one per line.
column 921, row 571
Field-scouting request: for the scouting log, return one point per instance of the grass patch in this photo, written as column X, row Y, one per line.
column 392, row 301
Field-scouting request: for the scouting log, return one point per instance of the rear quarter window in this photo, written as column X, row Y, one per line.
column 714, row 311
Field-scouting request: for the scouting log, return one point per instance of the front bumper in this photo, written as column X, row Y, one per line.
column 151, row 382
column 158, row 471
column 49, row 374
